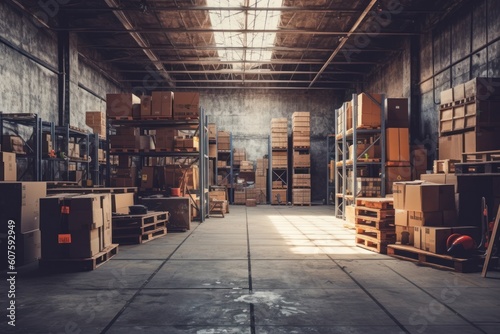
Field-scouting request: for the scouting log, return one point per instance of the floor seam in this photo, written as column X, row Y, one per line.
column 250, row 283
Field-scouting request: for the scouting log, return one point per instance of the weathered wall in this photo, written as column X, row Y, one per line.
column 247, row 115
column 452, row 53
column 447, row 54
column 27, row 86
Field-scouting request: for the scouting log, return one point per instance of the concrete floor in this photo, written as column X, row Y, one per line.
column 260, row 270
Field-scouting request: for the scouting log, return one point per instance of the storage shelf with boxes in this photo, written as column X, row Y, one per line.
column 165, row 146
column 279, row 161
column 301, row 158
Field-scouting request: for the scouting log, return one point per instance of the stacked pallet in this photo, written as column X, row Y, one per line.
column 301, row 158
column 375, row 227
column 138, row 229
column 279, row 158
column 468, row 118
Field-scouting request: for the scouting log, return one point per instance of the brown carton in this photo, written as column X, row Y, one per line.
column 121, row 105
column 146, row 105
column 434, row 239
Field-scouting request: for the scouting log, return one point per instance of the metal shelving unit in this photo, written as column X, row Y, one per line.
column 63, row 136
column 34, row 128
column 330, row 157
column 228, row 178
column 200, row 127
column 343, row 166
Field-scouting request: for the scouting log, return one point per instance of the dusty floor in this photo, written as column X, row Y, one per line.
column 259, row 270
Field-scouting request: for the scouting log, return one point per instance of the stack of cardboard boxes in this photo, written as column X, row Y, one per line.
column 469, row 118
column 75, row 226
column 96, row 120
column 20, row 212
column 426, row 213
column 301, row 158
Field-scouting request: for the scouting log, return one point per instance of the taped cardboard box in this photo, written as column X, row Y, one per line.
column 8, row 166
column 162, row 104
column 405, row 235
column 434, row 239
column 122, row 105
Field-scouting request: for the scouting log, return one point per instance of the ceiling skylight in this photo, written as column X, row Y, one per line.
column 247, row 19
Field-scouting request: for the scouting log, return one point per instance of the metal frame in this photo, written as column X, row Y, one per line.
column 341, row 154
column 229, row 168
column 35, row 122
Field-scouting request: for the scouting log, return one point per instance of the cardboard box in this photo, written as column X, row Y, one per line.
column 451, row 147
column 429, row 218
column 178, row 207
column 162, row 104
column 399, row 193
column 84, row 244
column 281, row 193
column 434, row 239
column 396, row 174
column 446, row 96
column 186, row 104
column 8, row 166
column 28, row 247
column 13, row 144
column 369, row 111
column 121, row 105
column 428, row 197
column 405, row 235
column 86, row 211
column 400, row 217
column 417, row 237
column 350, row 214
column 398, row 144
column 146, row 142
column 212, row 150
column 146, row 105
column 120, row 202
column 19, row 201
column 397, row 115
column 123, row 182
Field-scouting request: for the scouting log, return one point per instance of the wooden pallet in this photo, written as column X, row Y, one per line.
column 86, row 264
column 480, row 167
column 186, row 149
column 134, row 221
column 302, row 204
column 124, row 150
column 371, row 243
column 446, row 105
column 155, row 118
column 141, row 238
column 138, row 230
column 481, row 156
column 378, row 224
column 376, row 203
column 301, row 147
column 122, row 118
column 397, row 164
column 373, row 214
column 446, row 166
column 439, row 261
column 388, row 234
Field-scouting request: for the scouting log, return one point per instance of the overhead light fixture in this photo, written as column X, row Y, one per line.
column 245, row 45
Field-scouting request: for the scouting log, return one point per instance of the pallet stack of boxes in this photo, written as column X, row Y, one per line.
column 301, row 158
column 468, row 118
column 75, row 227
column 279, row 159
column 426, row 215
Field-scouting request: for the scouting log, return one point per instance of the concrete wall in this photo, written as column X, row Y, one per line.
column 247, row 115
column 31, row 86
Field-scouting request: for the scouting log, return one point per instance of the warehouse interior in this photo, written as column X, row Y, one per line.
column 250, row 166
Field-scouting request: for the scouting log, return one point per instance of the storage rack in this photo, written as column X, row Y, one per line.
column 81, row 138
column 34, row 156
column 342, row 167
column 212, row 181
column 330, row 158
column 278, row 174
column 198, row 125
column 228, row 178
column 97, row 166
column 301, row 170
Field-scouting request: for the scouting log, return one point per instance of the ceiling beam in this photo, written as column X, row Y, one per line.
column 129, row 27
column 237, row 31
column 216, row 48
column 344, row 40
